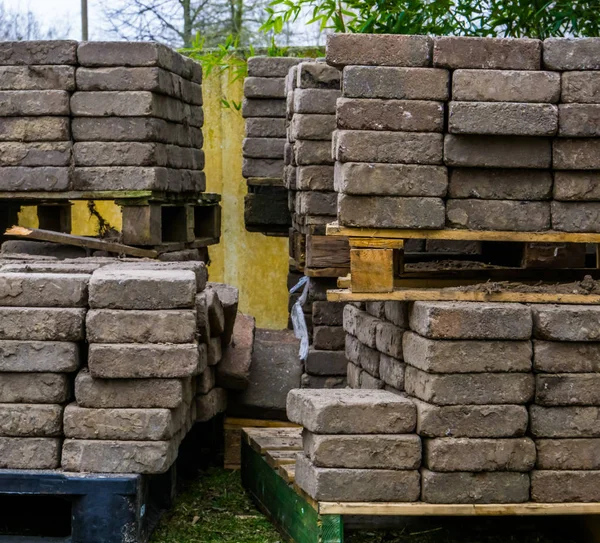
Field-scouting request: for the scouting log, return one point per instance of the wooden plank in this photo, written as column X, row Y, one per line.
column 233, row 422
column 327, row 252
column 443, row 295
column 276, row 458
column 79, row 241
column 375, row 243
column 287, row 472
column 334, row 229
column 326, row 272
column 372, row 270
column 468, row 510
column 553, row 255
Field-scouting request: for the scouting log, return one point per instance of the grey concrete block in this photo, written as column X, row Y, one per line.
column 356, row 485
column 30, row 420
column 388, row 339
column 142, row 289
column 397, row 313
column 29, row 453
column 38, row 356
column 475, row 421
column 263, row 147
column 263, row 167
column 328, row 313
column 567, row 389
column 311, row 127
column 351, row 411
column 576, row 154
column 472, row 455
column 50, row 179
column 566, row 322
column 564, row 422
column 576, row 185
column 315, row 101
column 142, row 361
column 470, row 388
column 258, row 127
column 198, row 267
column 324, row 381
column 111, row 129
column 316, row 203
column 500, row 184
column 576, row 217
column 571, row 54
column 373, row 451
column 41, row 324
column 118, row 53
column 471, row 320
column 502, row 118
column 210, row 405
column 34, row 388
column 214, row 351
column 329, row 338
column 441, row 356
column 130, row 393
column 362, row 356
column 382, row 50
column 315, row 153
column 33, row 103
column 579, row 120
column 263, row 108
column 568, row 454
column 497, row 152
column 118, row 178
column 22, row 78
column 353, row 373
column 465, row 487
column 319, row 178
column 393, row 115
column 136, row 326
column 43, row 290
column 233, row 372
column 118, row 456
column 276, row 369
column 580, row 87
column 571, row 357
column 317, row 75
column 26, row 52
column 549, row 486
column 506, row 86
column 456, row 52
column 264, row 87
column 370, row 382
column 35, row 153
column 509, row 215
column 271, row 66
column 396, row 83
column 388, row 147
column 391, row 212
column 120, row 424
column 322, row 362
column 361, row 325
column 34, row 129
column 391, row 372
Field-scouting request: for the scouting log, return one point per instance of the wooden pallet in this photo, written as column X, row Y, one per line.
column 303, row 520
column 377, row 255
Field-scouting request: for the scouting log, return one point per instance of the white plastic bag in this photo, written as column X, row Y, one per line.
column 298, row 320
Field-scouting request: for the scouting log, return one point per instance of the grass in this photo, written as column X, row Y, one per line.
column 215, row 509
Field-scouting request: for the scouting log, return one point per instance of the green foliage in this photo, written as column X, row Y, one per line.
column 511, row 18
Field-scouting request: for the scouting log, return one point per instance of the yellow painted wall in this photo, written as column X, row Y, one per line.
column 254, row 263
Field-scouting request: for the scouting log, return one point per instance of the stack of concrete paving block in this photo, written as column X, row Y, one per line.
column 137, row 118
column 374, row 344
column 469, row 368
column 358, row 445
column 264, row 108
column 565, row 419
column 35, row 134
column 508, row 157
column 312, row 89
column 42, row 319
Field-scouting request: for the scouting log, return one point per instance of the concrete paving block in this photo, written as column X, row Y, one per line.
column 233, row 372
column 142, row 289
column 564, row 422
column 470, row 388
column 549, row 486
column 566, row 322
column 41, row 323
column 38, row 356
column 562, row 357
column 15, row 53
column 563, row 54
column 464, row 487
column 568, row 454
column 351, row 411
column 30, row 420
column 34, row 388
column 561, row 389
column 500, row 184
column 356, row 485
column 29, row 452
column 456, row 356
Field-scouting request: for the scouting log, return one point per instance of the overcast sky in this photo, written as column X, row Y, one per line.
column 63, row 14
